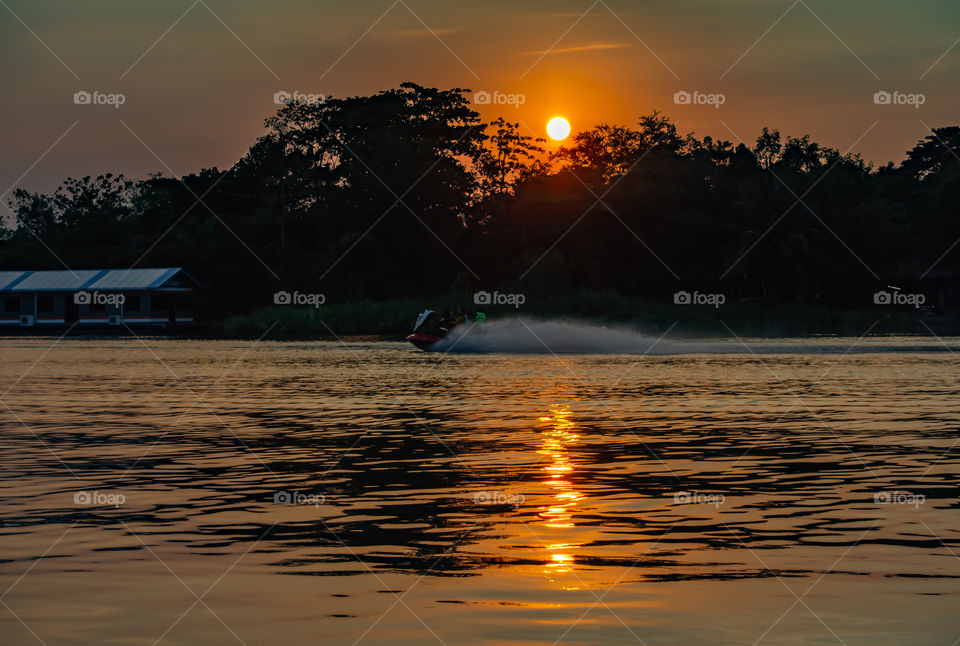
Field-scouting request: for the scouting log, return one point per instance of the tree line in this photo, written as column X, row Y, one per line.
column 407, row 193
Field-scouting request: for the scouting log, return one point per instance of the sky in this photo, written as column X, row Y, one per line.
column 197, row 78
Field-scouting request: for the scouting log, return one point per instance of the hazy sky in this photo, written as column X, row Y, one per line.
column 199, row 76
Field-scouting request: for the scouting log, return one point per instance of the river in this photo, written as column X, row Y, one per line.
column 220, row 492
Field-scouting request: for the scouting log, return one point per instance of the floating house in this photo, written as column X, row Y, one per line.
column 101, row 297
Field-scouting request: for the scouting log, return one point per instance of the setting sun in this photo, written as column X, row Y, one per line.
column 558, row 128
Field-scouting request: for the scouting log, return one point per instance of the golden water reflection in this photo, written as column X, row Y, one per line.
column 558, row 514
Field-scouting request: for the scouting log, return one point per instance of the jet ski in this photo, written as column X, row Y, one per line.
column 428, row 331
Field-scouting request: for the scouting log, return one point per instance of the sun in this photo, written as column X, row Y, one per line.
column 558, row 128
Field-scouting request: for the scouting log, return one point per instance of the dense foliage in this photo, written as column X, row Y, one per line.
column 407, row 194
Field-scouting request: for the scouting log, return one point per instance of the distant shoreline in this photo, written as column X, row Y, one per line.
column 392, row 320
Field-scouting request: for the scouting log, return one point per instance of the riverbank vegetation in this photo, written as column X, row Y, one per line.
column 382, row 202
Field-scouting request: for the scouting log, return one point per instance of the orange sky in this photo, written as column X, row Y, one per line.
column 199, row 77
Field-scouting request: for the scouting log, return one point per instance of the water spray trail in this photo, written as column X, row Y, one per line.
column 530, row 336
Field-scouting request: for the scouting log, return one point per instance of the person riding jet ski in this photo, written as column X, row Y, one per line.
column 430, row 327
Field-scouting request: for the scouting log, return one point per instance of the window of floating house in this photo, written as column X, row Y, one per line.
column 44, row 304
column 160, row 302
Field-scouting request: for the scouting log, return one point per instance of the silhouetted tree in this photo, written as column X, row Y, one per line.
column 407, row 192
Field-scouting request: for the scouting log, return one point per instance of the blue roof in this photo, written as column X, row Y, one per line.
column 7, row 277
column 88, row 279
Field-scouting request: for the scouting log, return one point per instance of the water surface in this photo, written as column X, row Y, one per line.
column 181, row 492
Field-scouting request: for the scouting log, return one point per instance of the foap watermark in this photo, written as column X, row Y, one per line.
column 699, row 98
column 899, row 498
column 98, row 298
column 298, row 298
column 696, row 298
column 899, row 98
column 698, row 498
column 299, row 498
column 499, row 498
column 298, row 98
column 897, row 297
column 99, row 98
column 99, row 498
column 499, row 98
column 496, row 298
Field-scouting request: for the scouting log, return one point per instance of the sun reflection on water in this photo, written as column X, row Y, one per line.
column 558, row 514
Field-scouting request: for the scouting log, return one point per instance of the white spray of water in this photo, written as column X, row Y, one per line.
column 523, row 336
column 529, row 336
